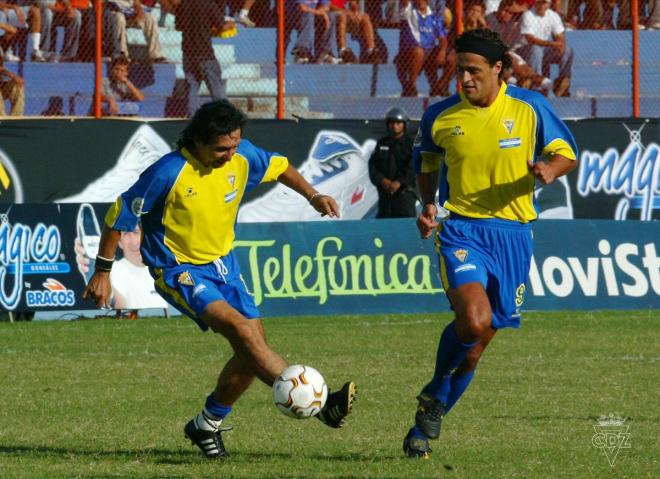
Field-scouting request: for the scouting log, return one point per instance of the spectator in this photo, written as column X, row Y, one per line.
column 544, row 44
column 359, row 25
column 120, row 14
column 243, row 16
column 502, row 22
column 198, row 21
column 7, row 33
column 65, row 13
column 118, row 91
column 24, row 17
column 422, row 46
column 391, row 168
column 12, row 87
column 475, row 18
column 301, row 15
column 654, row 19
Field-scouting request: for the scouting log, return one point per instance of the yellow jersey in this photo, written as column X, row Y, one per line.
column 482, row 153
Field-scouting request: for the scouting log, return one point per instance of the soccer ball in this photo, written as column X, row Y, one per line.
column 300, row 391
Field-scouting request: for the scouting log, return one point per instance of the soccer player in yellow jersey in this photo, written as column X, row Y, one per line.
column 187, row 203
column 481, row 150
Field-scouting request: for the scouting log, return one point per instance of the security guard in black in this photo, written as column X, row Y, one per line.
column 391, row 169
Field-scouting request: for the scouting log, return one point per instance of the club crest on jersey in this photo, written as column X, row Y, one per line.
column 461, row 255
column 185, row 278
column 508, row 125
column 457, row 131
column 232, row 180
column 190, row 192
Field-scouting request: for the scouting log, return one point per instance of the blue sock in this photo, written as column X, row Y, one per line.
column 214, row 408
column 459, row 383
column 451, row 353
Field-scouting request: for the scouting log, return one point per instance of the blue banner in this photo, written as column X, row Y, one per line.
column 339, row 267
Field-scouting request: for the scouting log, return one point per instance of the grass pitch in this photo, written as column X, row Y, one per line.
column 109, row 398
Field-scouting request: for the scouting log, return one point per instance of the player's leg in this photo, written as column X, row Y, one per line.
column 461, row 378
column 472, row 321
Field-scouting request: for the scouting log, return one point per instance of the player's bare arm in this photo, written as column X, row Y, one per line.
column 557, row 166
column 427, row 184
column 324, row 204
column 99, row 288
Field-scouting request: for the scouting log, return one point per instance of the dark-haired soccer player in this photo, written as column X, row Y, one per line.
column 187, row 202
column 482, row 150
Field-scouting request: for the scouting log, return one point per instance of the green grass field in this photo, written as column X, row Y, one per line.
column 109, row 398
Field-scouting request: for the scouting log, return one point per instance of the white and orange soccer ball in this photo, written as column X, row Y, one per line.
column 300, row 391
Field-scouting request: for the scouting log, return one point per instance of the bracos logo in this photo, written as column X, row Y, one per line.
column 55, row 294
column 11, row 189
column 26, row 250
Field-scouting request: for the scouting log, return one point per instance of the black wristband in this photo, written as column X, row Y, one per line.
column 103, row 264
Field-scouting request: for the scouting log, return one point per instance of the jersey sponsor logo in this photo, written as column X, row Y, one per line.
column 508, row 125
column 185, row 278
column 465, row 267
column 461, row 255
column 510, row 143
column 55, row 294
column 384, row 148
column 197, row 290
column 136, row 206
column 457, row 131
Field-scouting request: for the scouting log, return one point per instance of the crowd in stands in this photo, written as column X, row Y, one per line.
column 534, row 29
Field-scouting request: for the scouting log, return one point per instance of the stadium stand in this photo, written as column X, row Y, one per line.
column 601, row 78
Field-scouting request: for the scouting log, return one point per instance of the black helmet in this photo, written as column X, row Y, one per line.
column 397, row 114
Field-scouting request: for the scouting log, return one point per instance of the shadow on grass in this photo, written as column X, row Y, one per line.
column 192, row 456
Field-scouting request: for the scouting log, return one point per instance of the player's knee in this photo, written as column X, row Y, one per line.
column 473, row 324
column 249, row 339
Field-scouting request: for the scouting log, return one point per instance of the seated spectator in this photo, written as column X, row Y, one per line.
column 475, row 16
column 358, row 24
column 120, row 14
column 118, row 92
column 23, row 18
column 502, row 22
column 64, row 13
column 544, row 44
column 198, row 21
column 12, row 88
column 301, row 15
column 7, row 34
column 422, row 46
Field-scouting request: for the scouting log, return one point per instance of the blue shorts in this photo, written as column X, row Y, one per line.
column 191, row 288
column 496, row 253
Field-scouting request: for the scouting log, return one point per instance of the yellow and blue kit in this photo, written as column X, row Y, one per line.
column 188, row 212
column 481, row 155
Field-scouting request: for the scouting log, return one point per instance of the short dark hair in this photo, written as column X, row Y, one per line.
column 489, row 36
column 121, row 60
column 211, row 120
